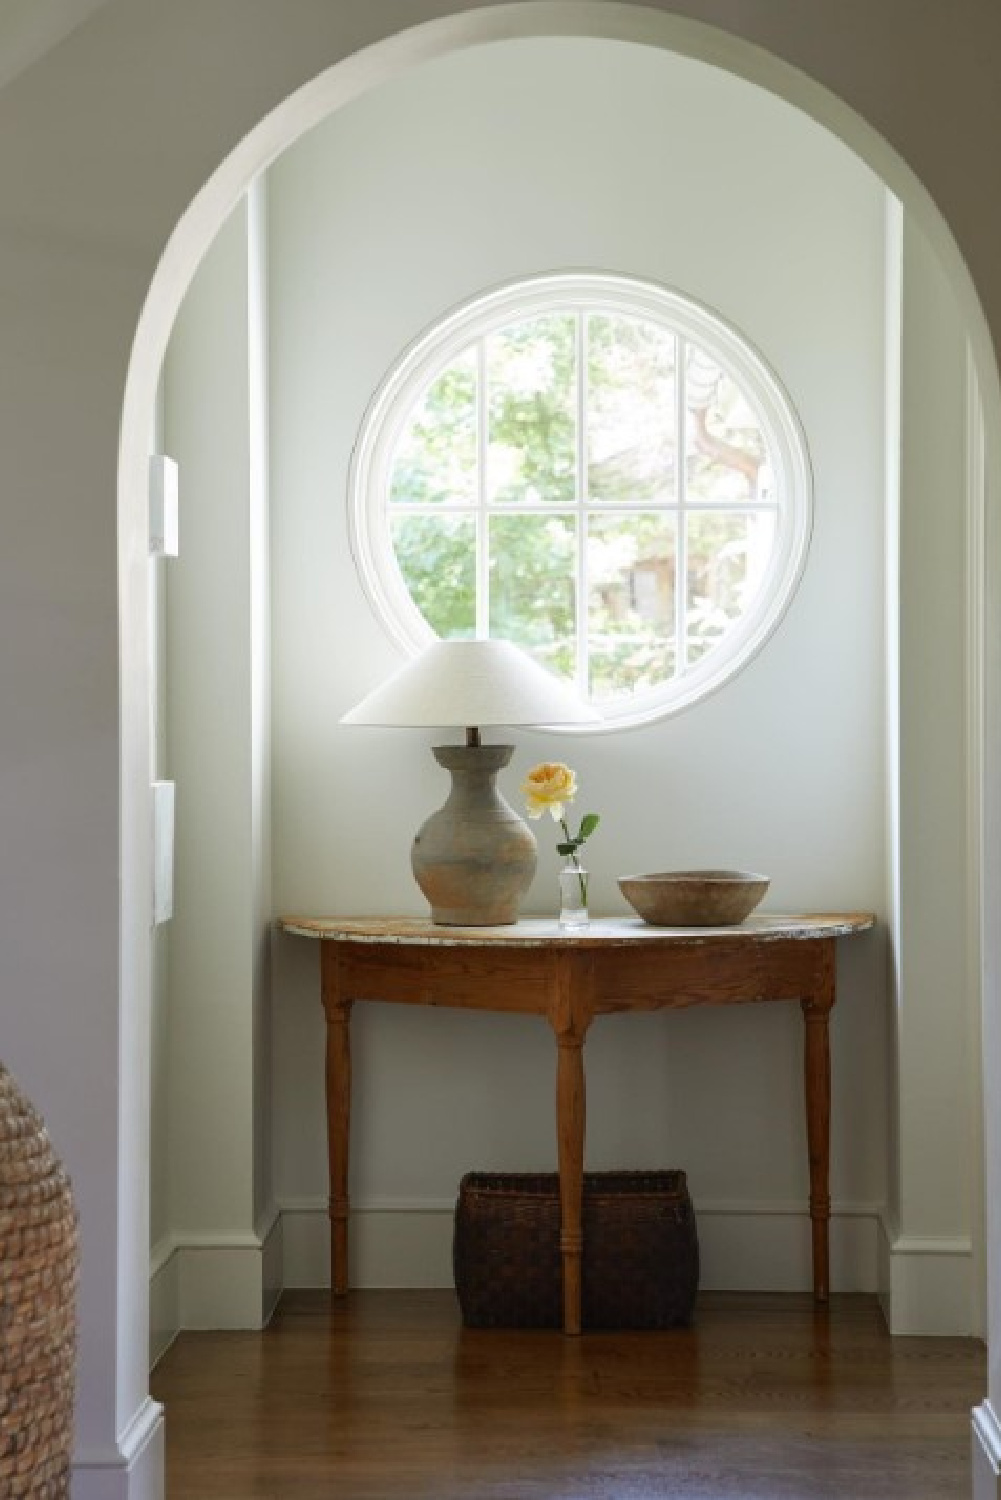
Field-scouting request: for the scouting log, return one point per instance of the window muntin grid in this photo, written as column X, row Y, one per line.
column 697, row 527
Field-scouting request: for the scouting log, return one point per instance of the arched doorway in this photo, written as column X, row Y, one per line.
column 200, row 223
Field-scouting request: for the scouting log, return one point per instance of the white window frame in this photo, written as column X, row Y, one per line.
column 437, row 346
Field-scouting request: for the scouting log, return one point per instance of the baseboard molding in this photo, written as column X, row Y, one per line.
column 214, row 1281
column 164, row 1299
column 393, row 1243
column 986, row 1453
column 132, row 1469
column 743, row 1246
column 272, row 1266
column 926, row 1283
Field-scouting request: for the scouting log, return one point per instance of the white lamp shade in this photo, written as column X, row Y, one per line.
column 471, row 683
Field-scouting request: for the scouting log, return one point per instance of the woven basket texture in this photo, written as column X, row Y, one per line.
column 38, row 1276
column 641, row 1250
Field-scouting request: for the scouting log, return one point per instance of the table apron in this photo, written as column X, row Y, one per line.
column 634, row 978
column 734, row 974
column 468, row 979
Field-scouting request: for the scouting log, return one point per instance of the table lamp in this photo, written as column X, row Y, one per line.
column 475, row 857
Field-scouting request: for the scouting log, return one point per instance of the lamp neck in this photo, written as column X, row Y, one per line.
column 473, row 735
column 473, row 760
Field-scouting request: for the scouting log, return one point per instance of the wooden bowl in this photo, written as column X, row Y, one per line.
column 694, row 898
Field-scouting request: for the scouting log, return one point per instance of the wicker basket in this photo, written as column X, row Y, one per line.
column 38, row 1273
column 641, row 1250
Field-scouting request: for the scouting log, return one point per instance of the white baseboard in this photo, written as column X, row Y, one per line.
column 926, row 1284
column 986, row 1453
column 219, row 1284
column 743, row 1246
column 214, row 1281
column 272, row 1267
column 767, row 1247
column 132, row 1469
column 164, row 1299
column 395, row 1243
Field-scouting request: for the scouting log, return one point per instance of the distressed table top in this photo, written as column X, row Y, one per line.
column 537, row 932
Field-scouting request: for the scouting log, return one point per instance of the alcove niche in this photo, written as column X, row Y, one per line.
column 833, row 761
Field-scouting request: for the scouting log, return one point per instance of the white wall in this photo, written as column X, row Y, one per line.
column 209, row 689
column 163, row 1312
column 409, row 201
column 750, row 1207
column 931, row 1278
column 210, row 1261
column 933, row 542
column 67, row 316
column 87, row 230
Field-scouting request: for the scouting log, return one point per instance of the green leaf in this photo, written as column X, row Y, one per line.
column 566, row 848
column 588, row 824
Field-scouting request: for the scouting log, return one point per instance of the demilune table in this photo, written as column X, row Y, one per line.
column 535, row 968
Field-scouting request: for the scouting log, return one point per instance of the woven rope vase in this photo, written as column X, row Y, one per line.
column 38, row 1276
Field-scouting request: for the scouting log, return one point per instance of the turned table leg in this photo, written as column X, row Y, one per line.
column 817, row 1080
column 338, row 1090
column 570, row 1020
column 570, row 1125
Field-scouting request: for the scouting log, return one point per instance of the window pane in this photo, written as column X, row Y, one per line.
column 435, row 456
column 532, row 588
column 727, row 559
column 615, row 481
column 531, row 382
column 631, row 410
column 437, row 557
column 724, row 441
column 631, row 591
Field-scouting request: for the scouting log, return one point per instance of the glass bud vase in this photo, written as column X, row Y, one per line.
column 573, row 896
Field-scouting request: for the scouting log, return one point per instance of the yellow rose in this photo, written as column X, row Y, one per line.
column 549, row 787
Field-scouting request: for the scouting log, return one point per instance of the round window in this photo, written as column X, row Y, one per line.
column 595, row 468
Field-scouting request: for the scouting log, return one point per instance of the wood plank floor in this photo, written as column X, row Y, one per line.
column 388, row 1396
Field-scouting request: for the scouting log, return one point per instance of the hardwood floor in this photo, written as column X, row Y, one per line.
column 388, row 1396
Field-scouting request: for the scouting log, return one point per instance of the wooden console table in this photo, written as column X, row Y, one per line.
column 614, row 965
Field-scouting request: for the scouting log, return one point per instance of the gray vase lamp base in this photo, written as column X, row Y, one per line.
column 474, row 858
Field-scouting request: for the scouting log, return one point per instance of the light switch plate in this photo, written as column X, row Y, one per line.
column 162, row 506
column 163, row 851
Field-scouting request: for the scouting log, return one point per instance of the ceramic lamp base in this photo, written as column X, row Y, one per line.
column 474, row 858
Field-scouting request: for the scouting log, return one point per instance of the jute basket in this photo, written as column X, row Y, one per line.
column 38, row 1276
